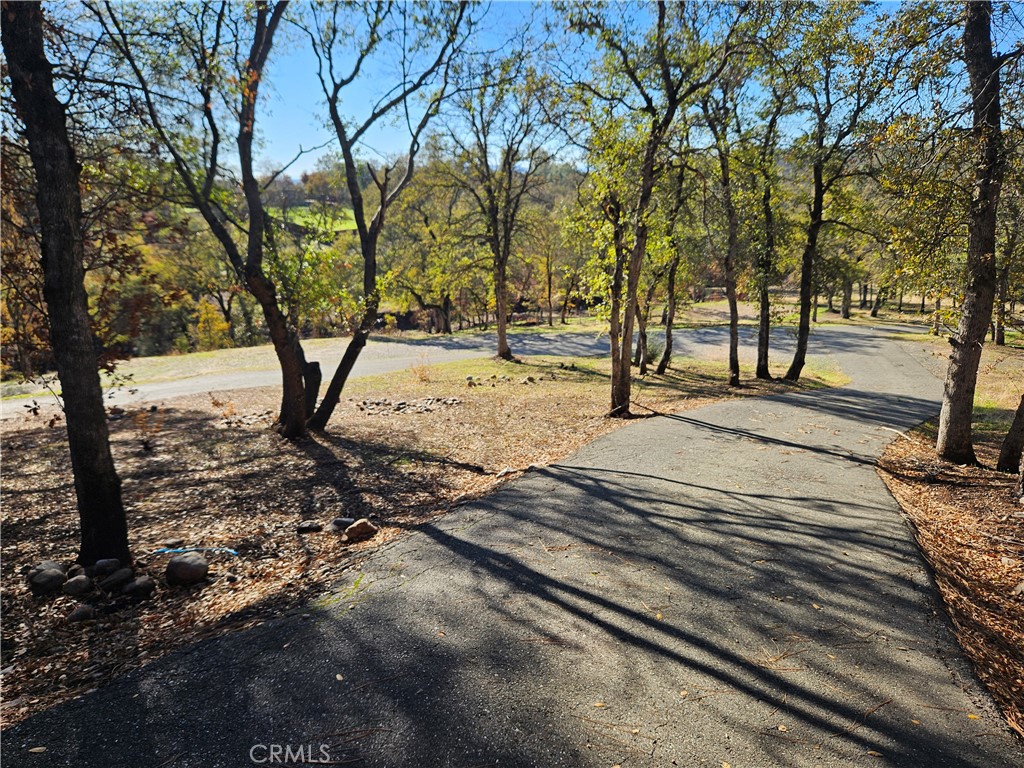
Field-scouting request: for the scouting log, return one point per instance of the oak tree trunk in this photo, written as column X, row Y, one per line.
column 807, row 275
column 670, row 317
column 104, row 530
column 954, row 439
column 1013, row 443
column 501, row 307
column 731, row 252
column 765, row 266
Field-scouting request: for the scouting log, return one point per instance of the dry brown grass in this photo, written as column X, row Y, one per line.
column 211, row 470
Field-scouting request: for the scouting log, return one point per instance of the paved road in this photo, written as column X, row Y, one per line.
column 385, row 355
column 728, row 585
column 381, row 355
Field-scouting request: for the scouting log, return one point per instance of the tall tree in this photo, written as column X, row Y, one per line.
column 719, row 107
column 646, row 79
column 104, row 530
column 206, row 56
column 423, row 38
column 495, row 134
column 842, row 72
column 954, row 442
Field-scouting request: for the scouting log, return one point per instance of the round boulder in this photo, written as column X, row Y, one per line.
column 117, row 579
column 187, row 569
column 360, row 530
column 140, row 587
column 107, row 566
column 82, row 613
column 47, row 581
column 78, row 585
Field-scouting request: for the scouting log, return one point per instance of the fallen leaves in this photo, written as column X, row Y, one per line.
column 963, row 519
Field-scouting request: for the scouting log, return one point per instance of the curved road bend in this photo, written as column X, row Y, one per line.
column 731, row 585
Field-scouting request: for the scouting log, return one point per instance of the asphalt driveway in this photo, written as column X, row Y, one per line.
column 731, row 585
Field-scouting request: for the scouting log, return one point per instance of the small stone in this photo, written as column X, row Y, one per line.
column 78, row 585
column 47, row 581
column 82, row 613
column 469, row 378
column 531, row 379
column 106, row 567
column 174, row 543
column 360, row 530
column 75, row 570
column 141, row 587
column 1018, row 590
column 339, row 524
column 116, row 580
column 187, row 569
column 51, row 565
column 308, row 526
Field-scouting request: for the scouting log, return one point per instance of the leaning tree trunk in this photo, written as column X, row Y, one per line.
column 323, row 413
column 620, row 373
column 642, row 354
column 104, row 530
column 1013, row 443
column 954, row 439
column 1002, row 289
column 879, row 301
column 810, row 253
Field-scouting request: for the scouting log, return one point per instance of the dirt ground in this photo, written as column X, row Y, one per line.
column 211, row 471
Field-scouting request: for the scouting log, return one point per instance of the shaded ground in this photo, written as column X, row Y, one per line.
column 210, row 470
column 732, row 585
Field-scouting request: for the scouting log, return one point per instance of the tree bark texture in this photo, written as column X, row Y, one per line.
column 1013, row 443
column 104, row 530
column 807, row 275
column 954, row 439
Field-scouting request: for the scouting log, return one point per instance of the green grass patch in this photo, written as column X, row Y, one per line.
column 333, row 217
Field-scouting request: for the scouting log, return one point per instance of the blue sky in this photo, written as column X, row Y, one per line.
column 294, row 115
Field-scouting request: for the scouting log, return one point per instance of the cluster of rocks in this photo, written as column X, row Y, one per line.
column 423, row 405
column 351, row 530
column 108, row 579
column 476, row 381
